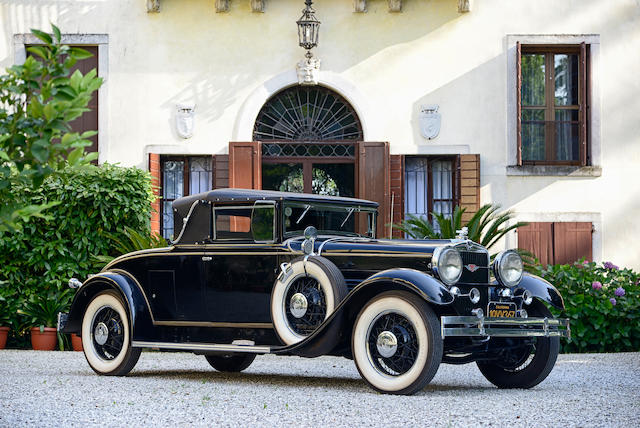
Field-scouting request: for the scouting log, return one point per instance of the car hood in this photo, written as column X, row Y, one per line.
column 327, row 246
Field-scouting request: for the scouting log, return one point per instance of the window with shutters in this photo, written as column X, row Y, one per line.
column 557, row 242
column 182, row 176
column 552, row 104
column 430, row 185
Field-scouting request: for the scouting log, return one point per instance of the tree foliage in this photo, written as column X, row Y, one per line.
column 38, row 100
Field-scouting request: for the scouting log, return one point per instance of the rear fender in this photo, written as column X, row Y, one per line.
column 128, row 288
column 541, row 289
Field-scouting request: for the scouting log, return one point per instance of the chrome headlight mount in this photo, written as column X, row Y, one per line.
column 447, row 264
column 508, row 268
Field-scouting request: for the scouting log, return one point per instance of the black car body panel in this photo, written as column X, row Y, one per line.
column 206, row 291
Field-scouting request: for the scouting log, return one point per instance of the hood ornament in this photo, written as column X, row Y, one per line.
column 462, row 233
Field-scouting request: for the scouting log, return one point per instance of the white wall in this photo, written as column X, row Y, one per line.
column 386, row 64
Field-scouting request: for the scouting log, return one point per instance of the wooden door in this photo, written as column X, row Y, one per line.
column 374, row 181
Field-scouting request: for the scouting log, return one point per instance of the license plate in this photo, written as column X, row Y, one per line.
column 501, row 310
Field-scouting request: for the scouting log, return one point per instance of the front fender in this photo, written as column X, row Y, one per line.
column 318, row 343
column 129, row 289
column 432, row 290
column 542, row 289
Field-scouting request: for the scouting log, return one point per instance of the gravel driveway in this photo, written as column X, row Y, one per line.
column 168, row 389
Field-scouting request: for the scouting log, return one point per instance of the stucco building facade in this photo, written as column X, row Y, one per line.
column 419, row 104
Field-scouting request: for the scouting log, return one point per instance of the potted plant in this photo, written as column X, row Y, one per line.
column 7, row 313
column 42, row 312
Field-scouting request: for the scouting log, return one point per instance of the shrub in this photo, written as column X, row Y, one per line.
column 602, row 303
column 93, row 203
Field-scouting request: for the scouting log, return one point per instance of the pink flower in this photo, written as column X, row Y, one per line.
column 613, row 301
column 619, row 292
column 596, row 285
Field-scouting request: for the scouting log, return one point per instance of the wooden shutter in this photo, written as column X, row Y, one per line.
column 583, row 103
column 469, row 185
column 89, row 120
column 221, row 171
column 537, row 238
column 397, row 191
column 154, row 170
column 519, row 101
column 374, row 180
column 571, row 242
column 245, row 165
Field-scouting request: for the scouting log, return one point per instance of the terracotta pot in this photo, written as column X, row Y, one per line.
column 4, row 332
column 45, row 341
column 76, row 342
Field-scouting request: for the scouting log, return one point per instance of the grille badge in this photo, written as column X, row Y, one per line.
column 471, row 267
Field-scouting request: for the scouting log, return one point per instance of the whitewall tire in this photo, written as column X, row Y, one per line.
column 106, row 338
column 306, row 296
column 396, row 343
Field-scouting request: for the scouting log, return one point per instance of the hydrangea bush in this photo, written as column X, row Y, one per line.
column 602, row 302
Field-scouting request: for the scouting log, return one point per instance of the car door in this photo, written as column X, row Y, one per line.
column 240, row 266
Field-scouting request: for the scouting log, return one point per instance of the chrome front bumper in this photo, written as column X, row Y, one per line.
column 62, row 320
column 454, row 326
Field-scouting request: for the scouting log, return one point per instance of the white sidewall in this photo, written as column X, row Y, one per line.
column 99, row 364
column 278, row 305
column 380, row 380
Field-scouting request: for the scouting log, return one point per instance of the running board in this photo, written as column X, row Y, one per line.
column 204, row 347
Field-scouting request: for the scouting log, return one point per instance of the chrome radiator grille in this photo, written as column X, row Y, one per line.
column 475, row 268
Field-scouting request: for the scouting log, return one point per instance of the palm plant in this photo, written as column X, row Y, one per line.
column 486, row 227
column 127, row 241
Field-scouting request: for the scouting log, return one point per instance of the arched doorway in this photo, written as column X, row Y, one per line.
column 308, row 136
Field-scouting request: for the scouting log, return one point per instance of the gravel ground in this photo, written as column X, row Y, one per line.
column 168, row 389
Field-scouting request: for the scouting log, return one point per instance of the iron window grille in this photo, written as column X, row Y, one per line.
column 182, row 176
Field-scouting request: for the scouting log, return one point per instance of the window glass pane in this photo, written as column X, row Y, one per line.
column 566, row 79
column 533, row 134
column 199, row 174
column 416, row 195
column 233, row 223
column 333, row 179
column 567, row 135
column 167, row 220
column 262, row 223
column 285, row 177
column 173, row 179
column 533, row 77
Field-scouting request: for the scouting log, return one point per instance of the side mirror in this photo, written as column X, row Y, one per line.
column 310, row 235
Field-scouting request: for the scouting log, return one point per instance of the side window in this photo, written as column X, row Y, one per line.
column 263, row 223
column 232, row 223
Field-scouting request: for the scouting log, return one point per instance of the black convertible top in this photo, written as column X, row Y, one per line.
column 249, row 195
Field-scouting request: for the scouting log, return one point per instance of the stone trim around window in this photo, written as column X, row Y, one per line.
column 594, row 126
column 20, row 41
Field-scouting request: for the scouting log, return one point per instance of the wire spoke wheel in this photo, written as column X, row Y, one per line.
column 106, row 339
column 404, row 350
column 308, row 316
column 396, row 343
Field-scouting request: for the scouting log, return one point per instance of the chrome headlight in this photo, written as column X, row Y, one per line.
column 508, row 268
column 447, row 264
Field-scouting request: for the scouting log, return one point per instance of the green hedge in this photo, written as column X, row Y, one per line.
column 602, row 303
column 41, row 259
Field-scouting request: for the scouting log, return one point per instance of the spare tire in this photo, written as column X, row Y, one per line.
column 304, row 296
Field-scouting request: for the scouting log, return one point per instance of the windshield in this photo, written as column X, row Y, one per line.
column 328, row 219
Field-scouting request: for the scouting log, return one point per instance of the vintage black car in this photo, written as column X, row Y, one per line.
column 255, row 272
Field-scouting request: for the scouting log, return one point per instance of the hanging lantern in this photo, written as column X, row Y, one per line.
column 308, row 28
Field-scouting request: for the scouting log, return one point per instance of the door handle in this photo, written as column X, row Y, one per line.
column 206, row 258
